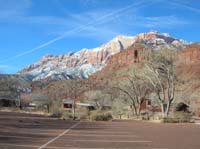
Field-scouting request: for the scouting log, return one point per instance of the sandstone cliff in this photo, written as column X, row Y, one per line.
column 88, row 61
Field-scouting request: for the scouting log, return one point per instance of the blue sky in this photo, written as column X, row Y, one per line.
column 29, row 29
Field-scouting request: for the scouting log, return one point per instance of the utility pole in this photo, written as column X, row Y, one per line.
column 74, row 91
column 76, row 88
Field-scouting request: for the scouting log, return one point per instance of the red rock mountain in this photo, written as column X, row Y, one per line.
column 88, row 61
column 191, row 54
column 136, row 53
column 190, row 61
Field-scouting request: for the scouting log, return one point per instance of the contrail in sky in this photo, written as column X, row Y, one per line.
column 118, row 12
column 184, row 6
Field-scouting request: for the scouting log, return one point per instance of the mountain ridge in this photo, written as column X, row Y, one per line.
column 85, row 62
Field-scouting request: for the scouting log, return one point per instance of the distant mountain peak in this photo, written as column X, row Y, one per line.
column 158, row 33
column 85, row 62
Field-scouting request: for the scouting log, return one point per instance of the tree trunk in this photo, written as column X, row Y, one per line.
column 73, row 110
column 163, row 110
column 135, row 109
column 48, row 108
column 20, row 106
column 138, row 111
column 168, row 108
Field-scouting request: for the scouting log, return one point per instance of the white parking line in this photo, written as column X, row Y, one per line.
column 60, row 135
column 25, row 117
column 56, row 147
column 104, row 132
column 102, row 135
column 113, row 141
column 18, row 145
column 92, row 148
column 20, row 137
column 106, row 148
column 33, row 133
column 31, row 146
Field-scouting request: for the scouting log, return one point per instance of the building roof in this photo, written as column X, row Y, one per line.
column 85, row 104
column 67, row 101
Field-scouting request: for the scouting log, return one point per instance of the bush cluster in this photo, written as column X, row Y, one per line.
column 179, row 117
column 67, row 115
column 100, row 116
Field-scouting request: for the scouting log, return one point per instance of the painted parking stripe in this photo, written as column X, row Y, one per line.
column 23, row 117
column 33, row 133
column 56, row 147
column 112, row 141
column 60, row 135
column 18, row 145
column 110, row 148
column 104, row 132
column 102, row 135
column 20, row 137
column 32, row 146
column 95, row 148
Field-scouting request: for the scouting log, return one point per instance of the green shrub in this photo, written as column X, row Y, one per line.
column 82, row 114
column 100, row 116
column 183, row 116
column 55, row 109
column 56, row 112
column 179, row 117
column 144, row 115
column 67, row 115
column 169, row 120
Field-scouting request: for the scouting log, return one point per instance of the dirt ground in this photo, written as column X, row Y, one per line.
column 24, row 131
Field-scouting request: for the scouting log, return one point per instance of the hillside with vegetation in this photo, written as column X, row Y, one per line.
column 149, row 78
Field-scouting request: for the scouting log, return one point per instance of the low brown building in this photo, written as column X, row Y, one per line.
column 67, row 104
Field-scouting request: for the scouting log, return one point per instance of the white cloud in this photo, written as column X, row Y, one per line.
column 101, row 23
column 83, row 27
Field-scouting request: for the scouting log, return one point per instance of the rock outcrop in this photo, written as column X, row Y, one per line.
column 189, row 61
column 134, row 54
column 88, row 61
column 76, row 65
column 191, row 54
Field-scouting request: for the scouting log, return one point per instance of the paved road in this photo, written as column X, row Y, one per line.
column 24, row 131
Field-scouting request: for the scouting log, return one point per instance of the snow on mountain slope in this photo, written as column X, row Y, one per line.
column 88, row 61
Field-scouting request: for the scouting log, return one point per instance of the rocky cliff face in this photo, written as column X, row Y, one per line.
column 144, row 45
column 134, row 54
column 191, row 54
column 76, row 65
column 88, row 61
column 189, row 62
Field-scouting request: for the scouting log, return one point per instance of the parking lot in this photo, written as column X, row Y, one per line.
column 24, row 131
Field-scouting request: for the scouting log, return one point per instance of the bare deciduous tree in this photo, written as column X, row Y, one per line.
column 41, row 100
column 161, row 74
column 11, row 86
column 99, row 98
column 136, row 88
column 74, row 89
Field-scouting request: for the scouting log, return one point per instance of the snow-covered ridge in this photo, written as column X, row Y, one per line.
column 85, row 62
